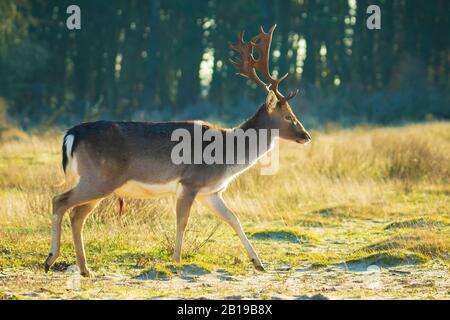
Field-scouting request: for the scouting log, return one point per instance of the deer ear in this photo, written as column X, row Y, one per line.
column 271, row 100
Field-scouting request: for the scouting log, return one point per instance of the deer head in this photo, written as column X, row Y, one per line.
column 280, row 113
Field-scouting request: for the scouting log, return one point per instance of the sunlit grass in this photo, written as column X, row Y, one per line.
column 375, row 195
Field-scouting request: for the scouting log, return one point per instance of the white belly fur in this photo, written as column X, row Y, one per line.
column 141, row 190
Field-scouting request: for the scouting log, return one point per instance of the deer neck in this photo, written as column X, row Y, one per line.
column 265, row 137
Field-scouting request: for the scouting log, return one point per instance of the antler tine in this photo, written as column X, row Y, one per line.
column 292, row 94
column 248, row 65
column 245, row 65
column 275, row 84
column 262, row 63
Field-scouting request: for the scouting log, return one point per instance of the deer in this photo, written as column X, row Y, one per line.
column 133, row 160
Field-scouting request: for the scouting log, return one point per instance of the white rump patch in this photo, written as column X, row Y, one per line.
column 72, row 166
column 68, row 141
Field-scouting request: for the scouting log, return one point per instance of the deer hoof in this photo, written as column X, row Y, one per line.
column 87, row 273
column 47, row 263
column 258, row 266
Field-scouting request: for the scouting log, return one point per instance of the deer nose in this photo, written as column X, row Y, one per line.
column 304, row 137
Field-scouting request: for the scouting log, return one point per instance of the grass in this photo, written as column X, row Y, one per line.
column 365, row 195
column 429, row 223
column 281, row 234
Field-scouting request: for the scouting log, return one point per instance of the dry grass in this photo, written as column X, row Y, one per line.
column 355, row 192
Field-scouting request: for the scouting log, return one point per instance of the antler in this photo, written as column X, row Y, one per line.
column 248, row 65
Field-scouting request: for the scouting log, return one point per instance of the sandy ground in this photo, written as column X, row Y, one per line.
column 334, row 282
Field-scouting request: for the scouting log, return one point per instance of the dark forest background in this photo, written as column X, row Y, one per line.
column 160, row 60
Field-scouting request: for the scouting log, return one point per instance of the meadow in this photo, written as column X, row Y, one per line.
column 357, row 213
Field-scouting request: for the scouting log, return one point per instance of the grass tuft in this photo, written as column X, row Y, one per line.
column 424, row 242
column 388, row 258
column 282, row 234
column 421, row 222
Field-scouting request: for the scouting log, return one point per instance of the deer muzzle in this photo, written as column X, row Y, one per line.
column 303, row 138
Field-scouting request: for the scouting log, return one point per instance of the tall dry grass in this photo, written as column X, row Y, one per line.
column 361, row 165
column 338, row 170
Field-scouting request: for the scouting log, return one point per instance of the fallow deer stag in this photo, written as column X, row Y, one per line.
column 133, row 159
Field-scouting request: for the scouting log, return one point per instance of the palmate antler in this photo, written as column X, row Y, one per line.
column 248, row 65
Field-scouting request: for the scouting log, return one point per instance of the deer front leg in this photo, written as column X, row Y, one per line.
column 216, row 204
column 77, row 218
column 183, row 208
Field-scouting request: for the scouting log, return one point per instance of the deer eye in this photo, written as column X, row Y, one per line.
column 288, row 118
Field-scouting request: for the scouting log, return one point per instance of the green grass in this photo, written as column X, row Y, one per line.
column 429, row 223
column 281, row 234
column 347, row 199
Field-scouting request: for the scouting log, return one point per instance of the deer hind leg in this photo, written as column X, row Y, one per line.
column 183, row 208
column 83, row 193
column 59, row 204
column 77, row 218
column 215, row 203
